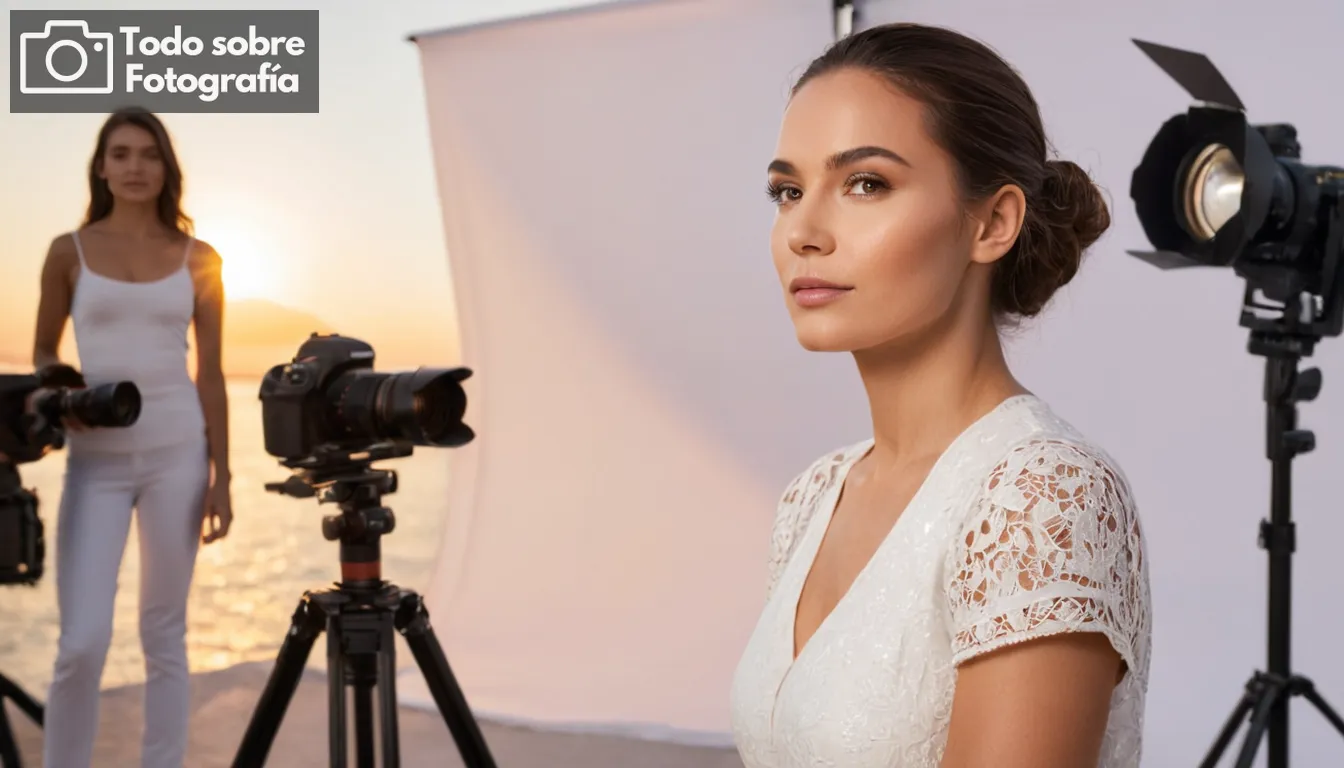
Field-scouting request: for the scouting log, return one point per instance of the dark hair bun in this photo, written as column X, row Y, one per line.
column 1066, row 217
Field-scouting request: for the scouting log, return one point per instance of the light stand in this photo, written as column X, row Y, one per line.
column 1268, row 693
column 1213, row 190
column 845, row 14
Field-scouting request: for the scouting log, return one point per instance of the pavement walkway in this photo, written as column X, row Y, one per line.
column 222, row 705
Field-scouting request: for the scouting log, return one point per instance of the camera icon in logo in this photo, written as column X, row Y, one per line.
column 65, row 58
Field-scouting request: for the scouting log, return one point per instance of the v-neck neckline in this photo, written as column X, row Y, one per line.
column 819, row 526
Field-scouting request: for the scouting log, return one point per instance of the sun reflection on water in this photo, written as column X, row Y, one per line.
column 246, row 587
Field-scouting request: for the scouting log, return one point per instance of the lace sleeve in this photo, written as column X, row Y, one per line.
column 796, row 507
column 1053, row 546
column 784, row 531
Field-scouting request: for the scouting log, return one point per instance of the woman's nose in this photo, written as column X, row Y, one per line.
column 809, row 234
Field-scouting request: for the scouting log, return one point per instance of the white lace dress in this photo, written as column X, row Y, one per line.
column 1022, row 529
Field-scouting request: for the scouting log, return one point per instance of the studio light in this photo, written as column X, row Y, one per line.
column 1214, row 190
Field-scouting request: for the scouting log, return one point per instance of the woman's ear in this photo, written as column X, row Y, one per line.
column 1000, row 217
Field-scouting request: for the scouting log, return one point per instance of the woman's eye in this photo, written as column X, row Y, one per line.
column 781, row 194
column 867, row 186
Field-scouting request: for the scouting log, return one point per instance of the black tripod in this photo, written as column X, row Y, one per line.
column 33, row 549
column 10, row 691
column 359, row 616
column 1268, row 693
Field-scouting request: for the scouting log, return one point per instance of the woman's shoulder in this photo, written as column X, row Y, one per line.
column 204, row 262
column 62, row 246
column 1051, row 471
column 64, row 241
column 62, row 260
column 202, row 253
column 1053, row 445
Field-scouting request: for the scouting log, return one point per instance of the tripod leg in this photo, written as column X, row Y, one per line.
column 1310, row 694
column 336, row 671
column 1273, row 691
column 1230, row 727
column 387, row 696
column 364, row 754
column 26, row 704
column 9, row 748
column 413, row 620
column 362, row 644
column 304, row 627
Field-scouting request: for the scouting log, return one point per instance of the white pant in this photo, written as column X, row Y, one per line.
column 166, row 487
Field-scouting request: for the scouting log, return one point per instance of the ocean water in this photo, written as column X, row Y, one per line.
column 247, row 585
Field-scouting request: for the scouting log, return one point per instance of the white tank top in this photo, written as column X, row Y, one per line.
column 127, row 331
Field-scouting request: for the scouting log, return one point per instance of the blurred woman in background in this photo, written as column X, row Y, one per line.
column 134, row 279
column 968, row 587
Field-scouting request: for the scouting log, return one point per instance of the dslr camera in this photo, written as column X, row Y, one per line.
column 329, row 400
column 33, row 408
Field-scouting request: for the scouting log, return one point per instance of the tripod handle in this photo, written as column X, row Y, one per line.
column 294, row 486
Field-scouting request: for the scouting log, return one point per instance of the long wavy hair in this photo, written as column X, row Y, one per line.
column 170, row 197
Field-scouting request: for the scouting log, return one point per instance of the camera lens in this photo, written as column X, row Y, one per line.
column 106, row 405
column 426, row 406
column 423, row 407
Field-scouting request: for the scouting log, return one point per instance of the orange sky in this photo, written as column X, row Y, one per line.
column 334, row 215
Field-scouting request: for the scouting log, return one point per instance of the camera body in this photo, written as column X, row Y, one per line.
column 32, row 410
column 23, row 548
column 293, row 402
column 25, row 435
column 33, row 407
column 330, row 398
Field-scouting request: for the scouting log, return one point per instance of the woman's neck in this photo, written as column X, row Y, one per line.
column 925, row 391
column 136, row 220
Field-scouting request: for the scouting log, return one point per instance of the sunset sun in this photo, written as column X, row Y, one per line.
column 247, row 273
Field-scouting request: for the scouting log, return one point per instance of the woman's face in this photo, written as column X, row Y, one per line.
column 132, row 164
column 869, row 204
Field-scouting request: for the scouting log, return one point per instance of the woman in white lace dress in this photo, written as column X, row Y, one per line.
column 968, row 587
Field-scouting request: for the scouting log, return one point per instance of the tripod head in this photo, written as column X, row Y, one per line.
column 347, row 478
column 361, row 617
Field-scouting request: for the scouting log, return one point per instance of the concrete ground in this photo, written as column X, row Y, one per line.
column 222, row 704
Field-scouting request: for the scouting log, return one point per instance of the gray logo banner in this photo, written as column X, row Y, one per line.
column 164, row 61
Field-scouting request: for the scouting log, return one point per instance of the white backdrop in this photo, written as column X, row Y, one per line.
column 639, row 395
column 641, row 400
